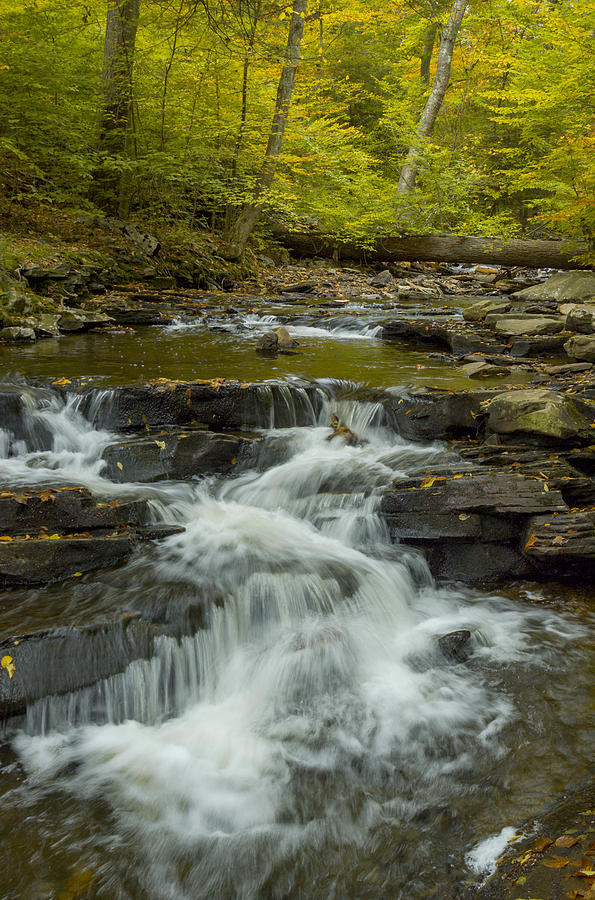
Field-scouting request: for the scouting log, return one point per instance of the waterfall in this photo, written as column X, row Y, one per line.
column 312, row 713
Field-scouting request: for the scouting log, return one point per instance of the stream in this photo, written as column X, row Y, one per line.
column 309, row 739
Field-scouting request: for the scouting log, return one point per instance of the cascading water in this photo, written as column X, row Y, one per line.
column 310, row 741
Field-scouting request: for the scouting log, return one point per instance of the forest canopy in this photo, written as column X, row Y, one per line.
column 186, row 137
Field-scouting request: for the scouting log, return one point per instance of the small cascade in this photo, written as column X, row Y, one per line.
column 148, row 691
column 311, row 721
column 58, row 444
column 282, row 405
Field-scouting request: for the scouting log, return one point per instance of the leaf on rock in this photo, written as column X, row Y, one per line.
column 160, row 444
column 567, row 840
column 542, row 844
column 558, row 862
column 428, row 482
column 7, row 663
column 61, row 382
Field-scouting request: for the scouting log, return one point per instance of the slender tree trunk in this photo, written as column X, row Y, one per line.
column 168, row 66
column 426, row 59
column 115, row 117
column 230, row 210
column 427, row 120
column 242, row 228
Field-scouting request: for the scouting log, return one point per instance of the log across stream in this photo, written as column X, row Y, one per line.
column 283, row 718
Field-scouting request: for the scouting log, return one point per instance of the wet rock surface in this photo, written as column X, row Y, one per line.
column 57, row 557
column 61, row 660
column 470, row 524
column 174, row 456
column 553, row 859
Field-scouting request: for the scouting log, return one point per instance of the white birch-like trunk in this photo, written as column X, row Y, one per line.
column 427, row 120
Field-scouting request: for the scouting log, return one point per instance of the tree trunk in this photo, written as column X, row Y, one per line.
column 427, row 120
column 115, row 117
column 426, row 59
column 242, row 228
column 440, row 248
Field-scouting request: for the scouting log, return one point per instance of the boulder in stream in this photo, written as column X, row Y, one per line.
column 542, row 414
column 284, row 339
column 581, row 346
column 566, row 286
column 581, row 319
column 268, row 343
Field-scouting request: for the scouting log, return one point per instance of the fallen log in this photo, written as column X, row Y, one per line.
column 440, row 248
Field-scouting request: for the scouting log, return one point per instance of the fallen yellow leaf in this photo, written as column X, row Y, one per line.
column 7, row 663
column 160, row 444
column 428, row 482
column 61, row 382
column 558, row 862
column 567, row 840
column 542, row 844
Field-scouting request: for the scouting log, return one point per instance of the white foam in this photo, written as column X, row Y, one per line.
column 483, row 857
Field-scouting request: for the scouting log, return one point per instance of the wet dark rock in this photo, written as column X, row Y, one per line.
column 64, row 510
column 562, row 542
column 174, row 456
column 467, row 338
column 545, row 345
column 61, row 660
column 477, row 563
column 455, row 645
column 221, row 406
column 522, row 863
column 493, row 492
column 469, row 524
column 438, row 415
column 50, row 559
column 576, row 486
column 124, row 313
column 268, row 343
